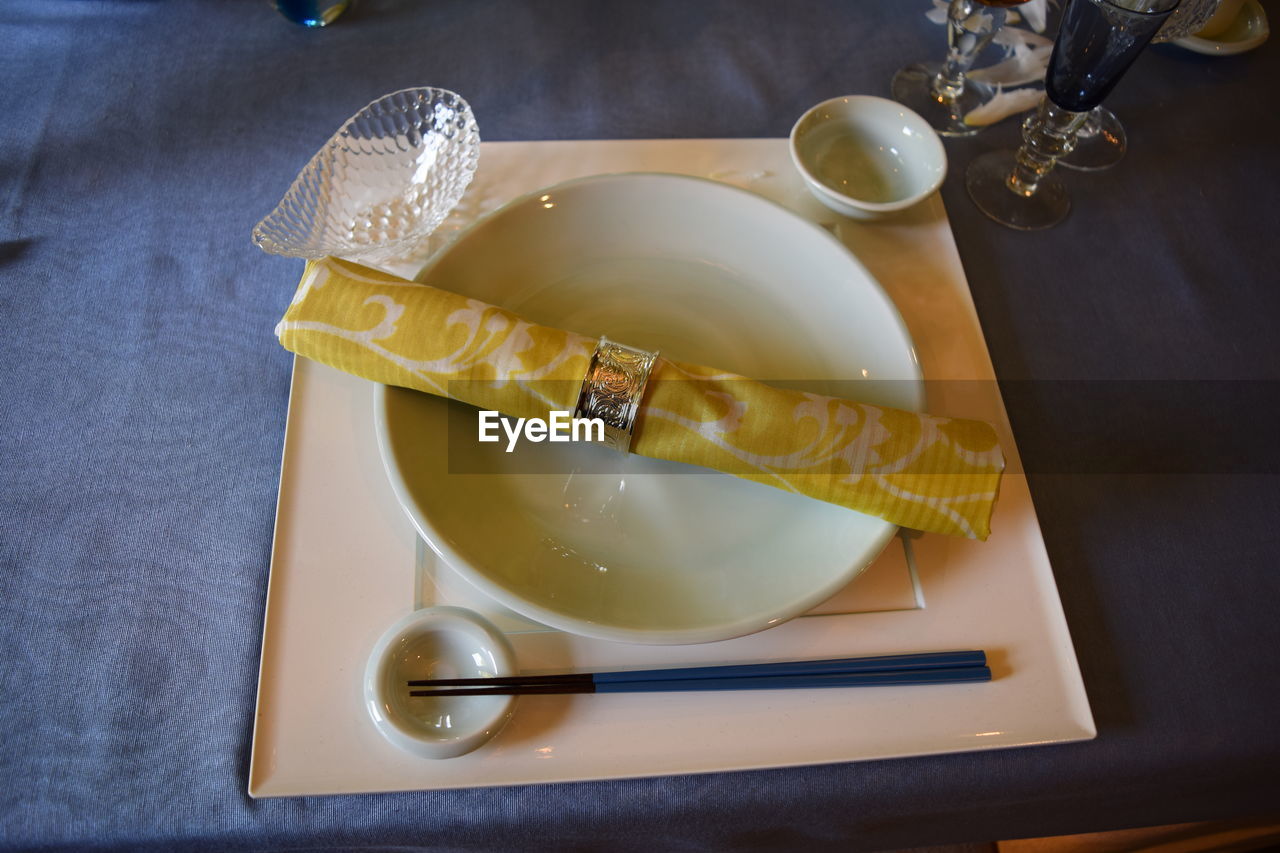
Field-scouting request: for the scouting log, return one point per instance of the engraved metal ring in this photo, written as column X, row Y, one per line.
column 612, row 389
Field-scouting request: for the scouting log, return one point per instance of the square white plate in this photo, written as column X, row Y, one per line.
column 346, row 565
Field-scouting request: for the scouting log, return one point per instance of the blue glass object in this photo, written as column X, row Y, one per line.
column 312, row 13
column 1097, row 42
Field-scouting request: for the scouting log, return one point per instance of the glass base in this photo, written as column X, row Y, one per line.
column 913, row 87
column 987, row 180
column 1100, row 143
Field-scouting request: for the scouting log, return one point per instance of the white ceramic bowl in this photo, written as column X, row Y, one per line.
column 629, row 548
column 438, row 642
column 1244, row 31
column 864, row 157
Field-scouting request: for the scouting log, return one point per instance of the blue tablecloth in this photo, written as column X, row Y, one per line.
column 144, row 399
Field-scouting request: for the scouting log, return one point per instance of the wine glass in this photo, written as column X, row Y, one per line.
column 939, row 92
column 1097, row 42
column 1101, row 141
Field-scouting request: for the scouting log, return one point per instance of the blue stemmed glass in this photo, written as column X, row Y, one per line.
column 1101, row 142
column 1097, row 42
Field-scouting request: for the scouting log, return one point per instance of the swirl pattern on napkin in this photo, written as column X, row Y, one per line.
column 915, row 470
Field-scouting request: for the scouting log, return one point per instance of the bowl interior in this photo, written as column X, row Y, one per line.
column 869, row 149
column 635, row 549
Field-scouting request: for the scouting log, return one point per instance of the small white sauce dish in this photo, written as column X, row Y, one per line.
column 438, row 642
column 864, row 156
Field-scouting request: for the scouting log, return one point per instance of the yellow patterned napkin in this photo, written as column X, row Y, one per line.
column 914, row 470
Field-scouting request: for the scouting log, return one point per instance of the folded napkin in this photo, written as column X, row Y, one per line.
column 915, row 470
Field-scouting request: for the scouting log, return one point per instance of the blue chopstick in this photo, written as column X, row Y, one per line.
column 920, row 668
column 881, row 663
column 748, row 682
column 775, row 682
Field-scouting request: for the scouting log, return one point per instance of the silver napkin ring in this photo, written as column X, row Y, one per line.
column 612, row 389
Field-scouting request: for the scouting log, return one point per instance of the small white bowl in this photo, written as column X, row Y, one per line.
column 438, row 642
column 1247, row 30
column 864, row 157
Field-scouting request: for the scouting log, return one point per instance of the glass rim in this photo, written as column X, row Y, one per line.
column 1148, row 13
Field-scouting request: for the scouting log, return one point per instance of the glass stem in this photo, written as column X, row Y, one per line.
column 970, row 27
column 1047, row 134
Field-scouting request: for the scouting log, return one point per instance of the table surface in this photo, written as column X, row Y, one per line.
column 144, row 401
